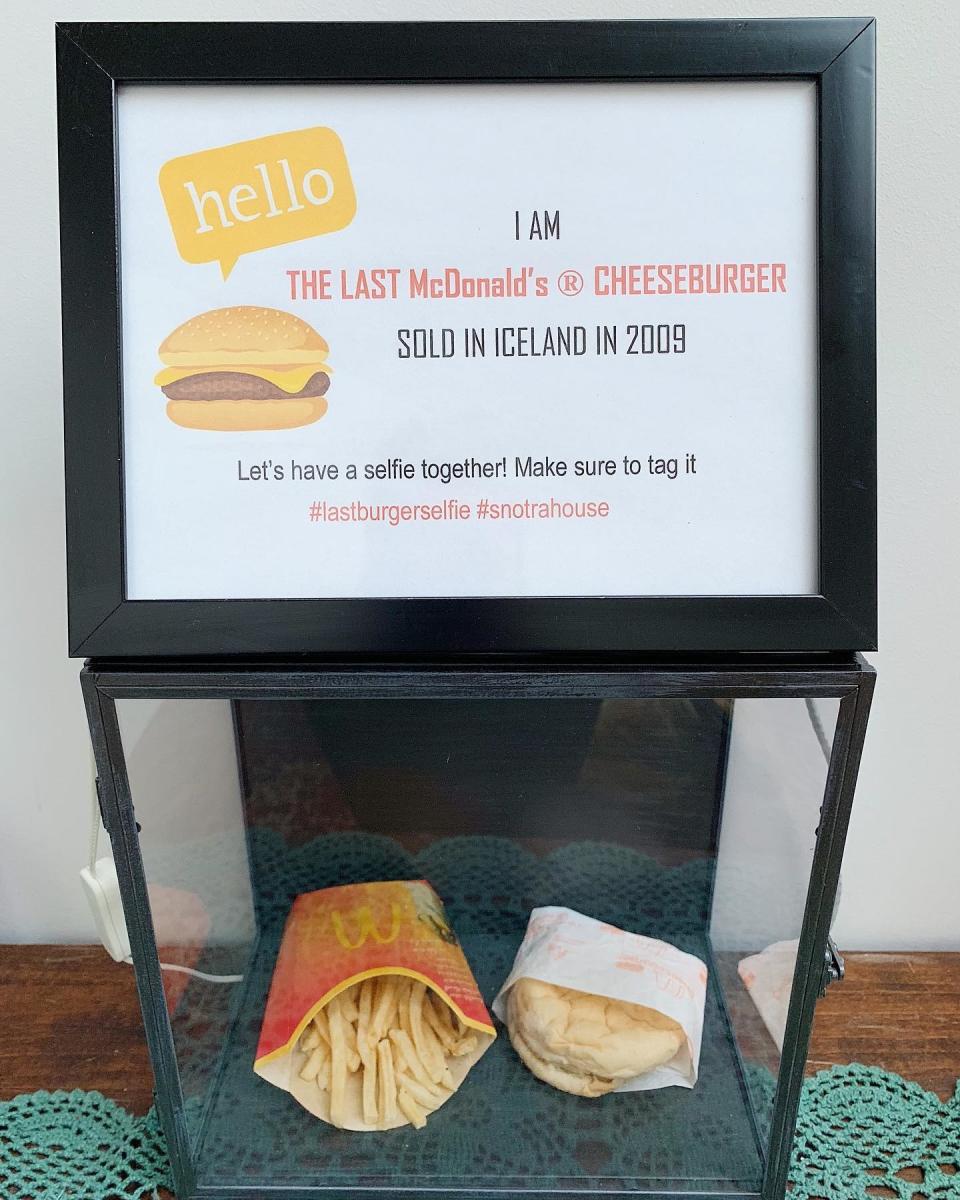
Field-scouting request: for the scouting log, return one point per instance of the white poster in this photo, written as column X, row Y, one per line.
column 511, row 340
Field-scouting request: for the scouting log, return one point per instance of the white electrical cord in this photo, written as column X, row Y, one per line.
column 94, row 826
column 94, row 844
column 196, row 974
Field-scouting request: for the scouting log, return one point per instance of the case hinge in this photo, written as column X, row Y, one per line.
column 833, row 967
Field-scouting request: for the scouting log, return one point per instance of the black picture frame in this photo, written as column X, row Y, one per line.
column 93, row 59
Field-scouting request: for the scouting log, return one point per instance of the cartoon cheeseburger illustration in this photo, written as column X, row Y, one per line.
column 244, row 368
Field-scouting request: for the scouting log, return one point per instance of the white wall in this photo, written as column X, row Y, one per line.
column 901, row 883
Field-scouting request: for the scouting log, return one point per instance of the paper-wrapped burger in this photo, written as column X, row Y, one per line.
column 373, row 1018
column 593, row 1009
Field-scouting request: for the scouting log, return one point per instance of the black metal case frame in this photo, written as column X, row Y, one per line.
column 103, row 684
column 838, row 54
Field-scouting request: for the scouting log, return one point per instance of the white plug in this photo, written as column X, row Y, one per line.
column 102, row 889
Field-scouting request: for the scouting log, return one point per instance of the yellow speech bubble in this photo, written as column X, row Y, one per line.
column 266, row 192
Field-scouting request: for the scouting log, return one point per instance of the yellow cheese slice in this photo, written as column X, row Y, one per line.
column 289, row 379
column 277, row 359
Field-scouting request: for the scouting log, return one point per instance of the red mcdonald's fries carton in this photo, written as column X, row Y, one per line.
column 374, row 1018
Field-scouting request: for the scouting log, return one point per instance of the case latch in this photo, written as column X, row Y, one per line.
column 833, row 967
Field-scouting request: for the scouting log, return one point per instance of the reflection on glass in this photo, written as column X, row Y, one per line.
column 776, row 772
column 184, row 781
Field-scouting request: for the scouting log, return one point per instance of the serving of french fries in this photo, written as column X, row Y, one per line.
column 386, row 1042
column 373, row 1019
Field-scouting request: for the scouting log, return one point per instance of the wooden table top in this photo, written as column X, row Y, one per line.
column 69, row 1018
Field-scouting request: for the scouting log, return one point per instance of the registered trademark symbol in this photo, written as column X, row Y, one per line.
column 570, row 282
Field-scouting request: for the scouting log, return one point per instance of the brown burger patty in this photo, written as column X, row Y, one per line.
column 235, row 385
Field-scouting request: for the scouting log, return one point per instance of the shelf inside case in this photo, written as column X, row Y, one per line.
column 504, row 1129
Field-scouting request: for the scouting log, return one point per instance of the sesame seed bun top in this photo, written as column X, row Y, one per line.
column 243, row 333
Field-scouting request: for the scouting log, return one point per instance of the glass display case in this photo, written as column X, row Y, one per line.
column 704, row 806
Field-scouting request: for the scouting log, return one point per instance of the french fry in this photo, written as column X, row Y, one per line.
column 423, row 1095
column 403, row 997
column 446, row 1014
column 353, row 1054
column 383, row 1009
column 315, row 1061
column 309, row 1039
column 465, row 1044
column 338, row 1062
column 408, row 1057
column 323, row 1075
column 416, row 1024
column 348, row 1004
column 444, row 1034
column 320, row 1024
column 370, row 1086
column 425, row 1040
column 364, row 1012
column 404, row 1013
column 367, row 1052
column 438, row 1002
column 387, row 1090
column 411, row 1110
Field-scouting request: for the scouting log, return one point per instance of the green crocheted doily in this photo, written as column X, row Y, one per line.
column 78, row 1146
column 862, row 1133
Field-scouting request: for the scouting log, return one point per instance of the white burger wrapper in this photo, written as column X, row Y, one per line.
column 571, row 950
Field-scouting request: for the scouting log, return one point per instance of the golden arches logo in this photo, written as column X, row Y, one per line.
column 366, row 927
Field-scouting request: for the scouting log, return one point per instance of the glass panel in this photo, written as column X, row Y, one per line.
column 777, row 760
column 686, row 820
column 185, row 785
